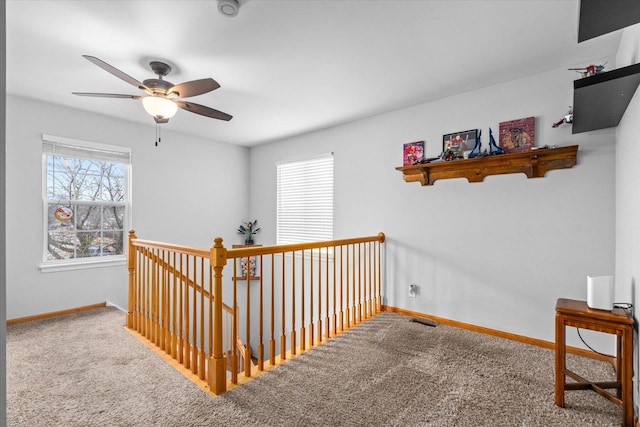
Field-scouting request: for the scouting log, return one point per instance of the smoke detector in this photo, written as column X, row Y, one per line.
column 229, row 8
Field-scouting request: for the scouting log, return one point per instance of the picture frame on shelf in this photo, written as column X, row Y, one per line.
column 413, row 153
column 517, row 136
column 248, row 266
column 459, row 142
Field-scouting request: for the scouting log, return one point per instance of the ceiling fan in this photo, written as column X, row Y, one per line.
column 163, row 98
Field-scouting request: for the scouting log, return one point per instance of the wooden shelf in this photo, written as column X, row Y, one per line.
column 534, row 164
column 244, row 278
column 599, row 101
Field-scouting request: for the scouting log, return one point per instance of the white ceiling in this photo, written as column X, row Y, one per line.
column 288, row 67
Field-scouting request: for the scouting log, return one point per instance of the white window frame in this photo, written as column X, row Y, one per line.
column 84, row 149
column 309, row 183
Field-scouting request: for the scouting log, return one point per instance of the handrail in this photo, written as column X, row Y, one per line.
column 204, row 253
column 313, row 292
column 295, row 247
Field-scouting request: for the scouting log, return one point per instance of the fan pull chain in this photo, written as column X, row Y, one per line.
column 158, row 134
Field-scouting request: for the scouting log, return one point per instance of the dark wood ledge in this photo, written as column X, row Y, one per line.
column 534, row 164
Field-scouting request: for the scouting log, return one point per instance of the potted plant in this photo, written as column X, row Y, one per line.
column 248, row 229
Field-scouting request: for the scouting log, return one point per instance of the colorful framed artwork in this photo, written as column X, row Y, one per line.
column 459, row 142
column 517, row 136
column 412, row 153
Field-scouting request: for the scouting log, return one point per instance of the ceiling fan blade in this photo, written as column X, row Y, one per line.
column 113, row 70
column 193, row 88
column 203, row 111
column 107, row 95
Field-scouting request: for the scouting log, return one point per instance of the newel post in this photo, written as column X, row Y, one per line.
column 131, row 266
column 217, row 362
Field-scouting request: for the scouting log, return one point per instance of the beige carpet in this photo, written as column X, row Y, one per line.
column 86, row 370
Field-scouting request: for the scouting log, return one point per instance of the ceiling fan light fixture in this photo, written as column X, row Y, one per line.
column 229, row 8
column 159, row 107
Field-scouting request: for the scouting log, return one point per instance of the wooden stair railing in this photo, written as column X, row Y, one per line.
column 171, row 301
column 305, row 294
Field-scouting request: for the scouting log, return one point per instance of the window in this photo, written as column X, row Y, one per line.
column 305, row 200
column 85, row 200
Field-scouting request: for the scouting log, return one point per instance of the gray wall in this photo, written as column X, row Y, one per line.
column 496, row 254
column 628, row 196
column 186, row 191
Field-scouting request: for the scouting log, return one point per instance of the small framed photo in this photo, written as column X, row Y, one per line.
column 517, row 136
column 413, row 153
column 459, row 142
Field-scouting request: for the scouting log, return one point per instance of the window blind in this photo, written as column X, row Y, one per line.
column 305, row 200
column 68, row 147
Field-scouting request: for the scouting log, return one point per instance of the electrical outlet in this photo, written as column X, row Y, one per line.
column 413, row 291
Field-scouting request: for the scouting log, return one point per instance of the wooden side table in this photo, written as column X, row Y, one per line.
column 618, row 322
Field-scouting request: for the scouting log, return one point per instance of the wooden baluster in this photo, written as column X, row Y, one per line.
column 367, row 279
column 139, row 303
column 341, row 311
column 144, row 286
column 234, row 329
column 366, row 290
column 362, row 278
column 149, row 266
column 174, row 308
column 156, row 298
column 311, row 328
column 236, row 339
column 161, row 295
column 247, row 345
column 260, row 327
column 372, row 268
column 347, row 306
column 167, row 302
column 293, row 302
column 303, row 335
column 210, row 325
column 335, row 316
column 159, row 300
column 166, row 336
column 327, row 325
column 156, row 302
column 283, row 336
column 360, row 285
column 379, row 273
column 353, row 284
column 194, row 323
column 181, row 314
column 148, row 296
column 272, row 340
column 370, row 296
column 201, row 355
column 319, row 296
column 187, row 316
column 227, row 336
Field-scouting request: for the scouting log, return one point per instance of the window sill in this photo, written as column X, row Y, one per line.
column 53, row 267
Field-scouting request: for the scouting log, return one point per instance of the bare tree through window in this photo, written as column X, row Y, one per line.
column 86, row 202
